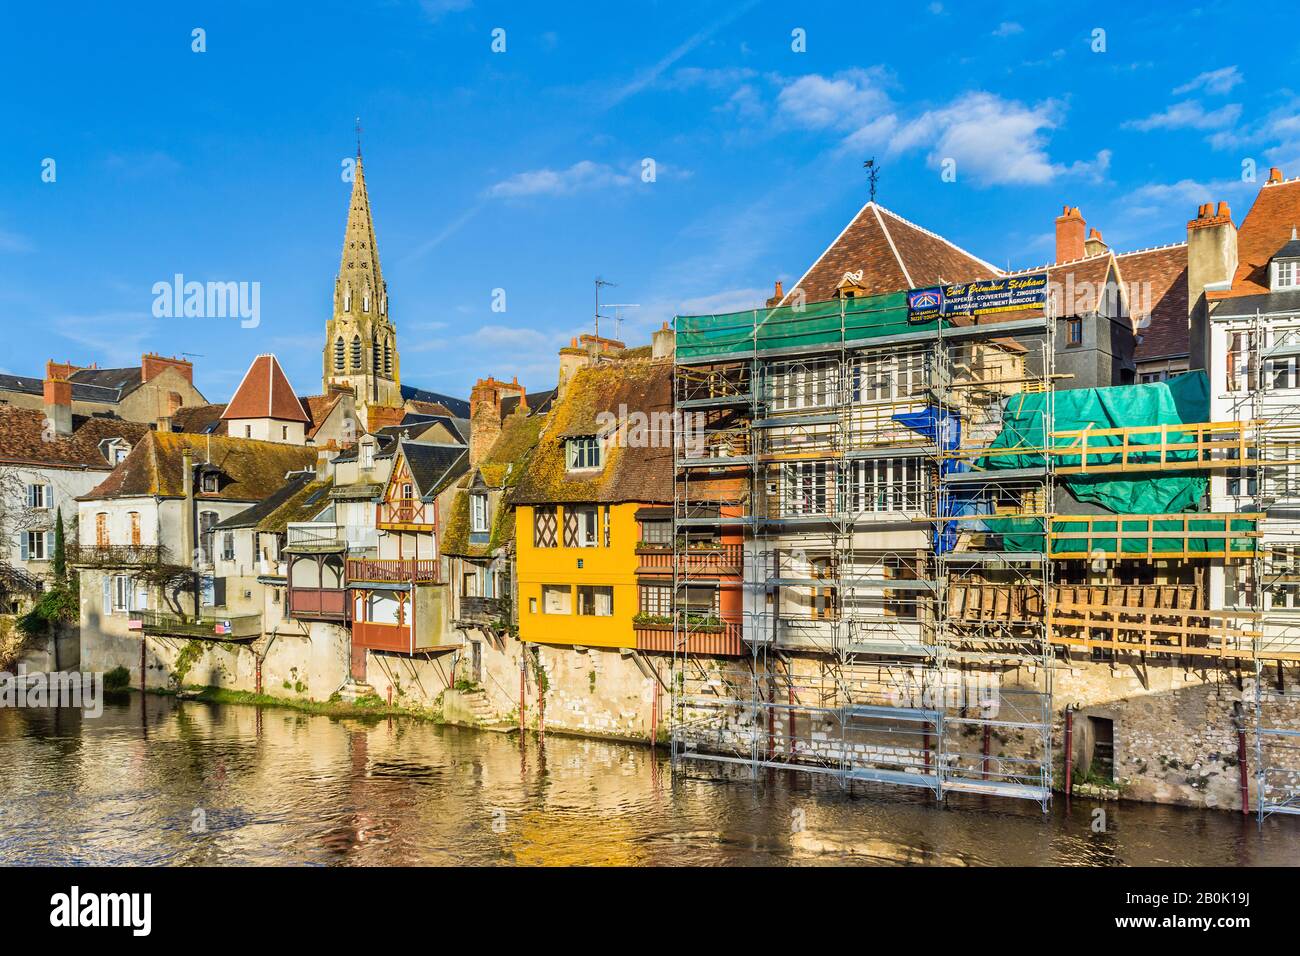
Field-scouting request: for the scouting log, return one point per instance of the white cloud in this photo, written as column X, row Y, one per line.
column 848, row 100
column 994, row 141
column 1185, row 195
column 1215, row 82
column 1008, row 29
column 435, row 10
column 557, row 182
column 1189, row 114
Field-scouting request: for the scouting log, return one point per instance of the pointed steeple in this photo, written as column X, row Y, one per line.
column 359, row 272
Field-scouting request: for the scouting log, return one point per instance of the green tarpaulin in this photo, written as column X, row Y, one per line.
column 816, row 323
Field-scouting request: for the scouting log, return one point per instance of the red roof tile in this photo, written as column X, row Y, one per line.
column 1265, row 230
column 1156, row 284
column 265, row 392
column 24, row 439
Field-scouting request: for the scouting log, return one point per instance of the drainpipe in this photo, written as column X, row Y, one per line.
column 1069, row 751
column 523, row 700
column 1241, row 769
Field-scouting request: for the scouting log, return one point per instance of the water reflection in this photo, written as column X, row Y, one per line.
column 156, row 781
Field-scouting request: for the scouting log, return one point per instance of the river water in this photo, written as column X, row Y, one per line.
column 158, row 781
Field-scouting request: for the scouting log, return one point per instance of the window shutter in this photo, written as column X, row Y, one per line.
column 108, row 596
column 49, row 546
column 219, row 592
column 31, row 496
column 49, row 496
column 22, row 545
column 141, row 597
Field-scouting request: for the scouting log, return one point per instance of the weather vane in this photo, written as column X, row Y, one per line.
column 873, row 173
column 358, row 136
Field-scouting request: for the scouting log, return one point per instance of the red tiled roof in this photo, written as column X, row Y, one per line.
column 1264, row 231
column 24, row 439
column 892, row 254
column 198, row 418
column 1156, row 284
column 318, row 409
column 265, row 392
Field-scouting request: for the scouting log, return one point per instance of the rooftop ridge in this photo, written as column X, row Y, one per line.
column 1281, row 182
column 1057, row 265
column 1138, row 252
column 934, row 235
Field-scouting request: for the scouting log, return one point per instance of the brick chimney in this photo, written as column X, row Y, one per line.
column 1275, row 175
column 152, row 365
column 663, row 342
column 58, row 405
column 1093, row 245
column 778, row 294
column 1211, row 263
column 60, row 370
column 485, row 414
column 1069, row 234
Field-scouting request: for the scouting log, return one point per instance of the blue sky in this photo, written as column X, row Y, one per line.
column 522, row 170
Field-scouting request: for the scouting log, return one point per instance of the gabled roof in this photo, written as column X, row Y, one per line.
column 318, row 409
column 457, row 407
column 1156, row 280
column 433, row 467
column 416, row 427
column 23, row 439
column 1264, row 231
column 892, row 254
column 643, row 473
column 538, row 402
column 254, row 470
column 265, row 392
column 295, row 490
column 200, row 419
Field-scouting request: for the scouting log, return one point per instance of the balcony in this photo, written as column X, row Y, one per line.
column 721, row 560
column 394, row 571
column 315, row 537
column 481, row 610
column 405, row 514
column 116, row 555
column 318, row 604
column 207, row 626
column 723, row 639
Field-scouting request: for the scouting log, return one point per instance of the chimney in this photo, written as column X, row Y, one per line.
column 61, row 370
column 1093, row 244
column 1211, row 263
column 778, row 294
column 151, row 366
column 58, row 405
column 663, row 341
column 1069, row 234
column 187, row 506
column 485, row 415
column 1275, row 175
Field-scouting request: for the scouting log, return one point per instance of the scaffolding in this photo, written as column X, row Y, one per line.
column 838, row 441
column 1263, row 372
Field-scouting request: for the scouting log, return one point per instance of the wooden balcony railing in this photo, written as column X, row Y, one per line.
column 725, row 639
column 209, row 626
column 318, row 604
column 724, row 560
column 394, row 571
column 115, row 555
column 315, row 537
column 382, row 637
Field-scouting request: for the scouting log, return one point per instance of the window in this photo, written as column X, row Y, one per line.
column 38, row 545
column 884, row 484
column 1238, row 367
column 595, row 600
column 581, row 526
column 284, row 433
column 228, row 546
column 207, row 520
column 101, row 530
column 582, row 453
column 657, row 533
column 894, row 375
column 119, row 453
column 656, row 599
column 532, row 605
column 544, row 527
column 211, row 482
column 248, row 433
column 804, row 491
column 1288, row 274
column 1074, row 331
column 557, row 599
column 388, row 359
column 478, row 512
column 340, row 354
column 367, row 454
column 356, row 353
column 804, row 385
column 40, row 497
column 134, row 518
column 408, row 492
column 383, row 608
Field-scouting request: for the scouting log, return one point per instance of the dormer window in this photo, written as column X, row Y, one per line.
column 211, row 482
column 1286, row 274
column 582, row 453
column 478, row 512
column 367, row 454
column 114, row 450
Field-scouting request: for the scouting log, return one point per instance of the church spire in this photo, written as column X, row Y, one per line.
column 359, row 271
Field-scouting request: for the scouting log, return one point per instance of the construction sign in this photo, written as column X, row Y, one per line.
column 984, row 297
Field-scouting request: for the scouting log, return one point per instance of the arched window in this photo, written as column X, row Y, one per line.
column 340, row 355
column 356, row 353
column 347, row 298
column 365, row 301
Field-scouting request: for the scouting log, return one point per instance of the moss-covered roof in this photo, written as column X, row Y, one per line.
column 642, row 472
column 303, row 505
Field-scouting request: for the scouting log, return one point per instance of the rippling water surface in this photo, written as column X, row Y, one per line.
column 279, row 787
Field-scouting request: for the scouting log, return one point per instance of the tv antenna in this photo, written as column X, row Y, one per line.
column 873, row 173
column 618, row 315
column 600, row 282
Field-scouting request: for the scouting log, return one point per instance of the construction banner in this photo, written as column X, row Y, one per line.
column 984, row 297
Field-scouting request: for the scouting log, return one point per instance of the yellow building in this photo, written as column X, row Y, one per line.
column 576, row 530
